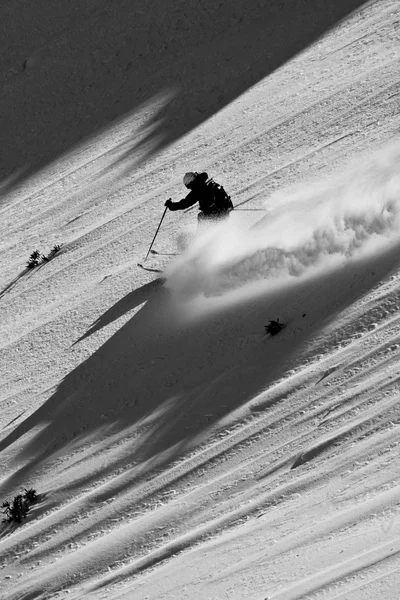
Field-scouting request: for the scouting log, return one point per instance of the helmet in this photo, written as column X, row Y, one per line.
column 189, row 179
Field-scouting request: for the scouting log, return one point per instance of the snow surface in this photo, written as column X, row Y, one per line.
column 177, row 450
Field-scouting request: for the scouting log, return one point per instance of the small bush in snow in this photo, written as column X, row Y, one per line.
column 51, row 254
column 19, row 507
column 30, row 496
column 15, row 510
column 33, row 259
column 273, row 327
column 36, row 258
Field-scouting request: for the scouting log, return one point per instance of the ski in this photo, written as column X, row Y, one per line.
column 165, row 253
column 152, row 270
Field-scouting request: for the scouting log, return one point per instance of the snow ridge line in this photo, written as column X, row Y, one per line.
column 202, row 534
column 238, row 470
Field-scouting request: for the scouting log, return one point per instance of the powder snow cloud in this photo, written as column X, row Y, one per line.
column 314, row 227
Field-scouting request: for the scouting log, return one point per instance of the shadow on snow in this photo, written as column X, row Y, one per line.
column 74, row 74
column 159, row 382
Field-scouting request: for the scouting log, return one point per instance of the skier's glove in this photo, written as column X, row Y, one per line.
column 168, row 203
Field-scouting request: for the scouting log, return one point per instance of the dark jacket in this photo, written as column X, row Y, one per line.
column 199, row 193
column 191, row 199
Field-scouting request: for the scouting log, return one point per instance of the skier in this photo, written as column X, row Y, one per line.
column 214, row 202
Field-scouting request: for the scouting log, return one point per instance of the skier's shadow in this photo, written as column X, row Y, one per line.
column 127, row 303
column 159, row 381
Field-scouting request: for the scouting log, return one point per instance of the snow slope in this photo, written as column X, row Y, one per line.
column 69, row 69
column 177, row 450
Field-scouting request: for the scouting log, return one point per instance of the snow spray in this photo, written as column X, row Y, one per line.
column 314, row 227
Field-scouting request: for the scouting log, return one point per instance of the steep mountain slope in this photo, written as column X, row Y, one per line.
column 177, row 450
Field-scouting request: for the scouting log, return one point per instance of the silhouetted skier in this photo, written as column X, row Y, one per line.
column 214, row 202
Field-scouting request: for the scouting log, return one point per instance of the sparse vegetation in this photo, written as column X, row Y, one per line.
column 18, row 508
column 33, row 259
column 30, row 495
column 273, row 327
column 36, row 258
column 51, row 254
column 55, row 249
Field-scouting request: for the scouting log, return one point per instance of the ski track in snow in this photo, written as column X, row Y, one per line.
column 177, row 450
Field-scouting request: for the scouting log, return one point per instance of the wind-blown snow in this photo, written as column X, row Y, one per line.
column 178, row 451
column 311, row 228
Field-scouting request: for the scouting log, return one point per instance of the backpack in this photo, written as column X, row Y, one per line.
column 216, row 200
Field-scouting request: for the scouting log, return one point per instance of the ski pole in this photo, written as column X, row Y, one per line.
column 155, row 235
